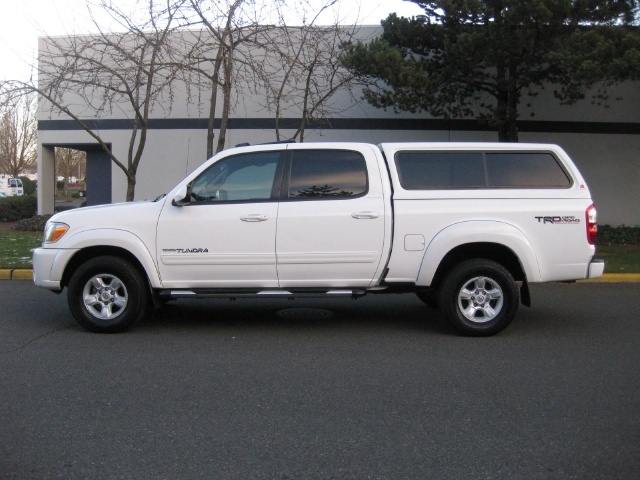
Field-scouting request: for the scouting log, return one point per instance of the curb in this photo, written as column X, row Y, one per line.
column 23, row 274
column 615, row 278
column 18, row 274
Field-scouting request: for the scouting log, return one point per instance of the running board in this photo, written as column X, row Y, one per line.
column 242, row 293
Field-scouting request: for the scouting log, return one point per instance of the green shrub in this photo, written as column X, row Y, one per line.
column 621, row 235
column 13, row 209
column 33, row 224
column 28, row 185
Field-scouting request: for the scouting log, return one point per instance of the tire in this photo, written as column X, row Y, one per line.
column 107, row 294
column 429, row 298
column 479, row 297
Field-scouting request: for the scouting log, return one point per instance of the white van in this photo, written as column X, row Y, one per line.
column 11, row 186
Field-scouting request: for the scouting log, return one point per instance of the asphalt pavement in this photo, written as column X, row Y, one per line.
column 378, row 388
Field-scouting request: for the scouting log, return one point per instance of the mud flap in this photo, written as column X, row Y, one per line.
column 525, row 295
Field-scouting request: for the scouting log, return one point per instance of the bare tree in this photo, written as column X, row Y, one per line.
column 247, row 47
column 215, row 69
column 89, row 77
column 313, row 76
column 222, row 59
column 18, row 134
column 303, row 71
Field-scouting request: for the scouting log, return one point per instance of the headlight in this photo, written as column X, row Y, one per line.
column 54, row 231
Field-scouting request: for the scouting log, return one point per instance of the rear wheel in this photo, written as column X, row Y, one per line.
column 479, row 297
column 107, row 294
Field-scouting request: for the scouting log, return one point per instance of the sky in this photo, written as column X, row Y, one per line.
column 23, row 21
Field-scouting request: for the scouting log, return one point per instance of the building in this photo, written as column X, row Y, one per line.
column 603, row 142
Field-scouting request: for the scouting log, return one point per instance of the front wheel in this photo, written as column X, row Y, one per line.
column 107, row 294
column 479, row 297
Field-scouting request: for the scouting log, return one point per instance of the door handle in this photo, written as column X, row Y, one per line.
column 365, row 215
column 254, row 217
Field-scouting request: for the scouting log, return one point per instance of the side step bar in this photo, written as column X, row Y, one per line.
column 242, row 293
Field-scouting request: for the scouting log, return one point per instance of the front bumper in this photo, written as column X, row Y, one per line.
column 49, row 265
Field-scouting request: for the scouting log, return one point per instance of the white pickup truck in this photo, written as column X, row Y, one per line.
column 465, row 226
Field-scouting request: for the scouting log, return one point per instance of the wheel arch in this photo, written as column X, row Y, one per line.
column 117, row 243
column 489, row 251
column 99, row 251
column 497, row 241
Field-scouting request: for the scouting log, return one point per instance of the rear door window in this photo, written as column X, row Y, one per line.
column 326, row 174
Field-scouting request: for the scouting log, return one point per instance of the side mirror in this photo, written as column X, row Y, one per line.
column 182, row 197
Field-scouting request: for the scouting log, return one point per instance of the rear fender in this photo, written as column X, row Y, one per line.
column 473, row 232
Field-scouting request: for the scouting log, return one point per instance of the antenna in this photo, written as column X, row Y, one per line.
column 186, row 167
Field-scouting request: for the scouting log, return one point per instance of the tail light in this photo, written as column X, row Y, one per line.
column 592, row 224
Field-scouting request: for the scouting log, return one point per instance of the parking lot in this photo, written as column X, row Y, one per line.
column 378, row 388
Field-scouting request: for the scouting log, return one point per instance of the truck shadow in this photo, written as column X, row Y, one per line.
column 302, row 315
column 399, row 313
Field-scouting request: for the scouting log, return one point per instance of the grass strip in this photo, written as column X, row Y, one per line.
column 16, row 248
column 620, row 258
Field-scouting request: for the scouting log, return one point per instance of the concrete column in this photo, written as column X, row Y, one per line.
column 46, row 180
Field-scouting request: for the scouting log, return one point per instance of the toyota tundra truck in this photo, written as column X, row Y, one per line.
column 465, row 226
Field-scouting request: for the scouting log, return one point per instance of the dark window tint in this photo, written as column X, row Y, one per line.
column 248, row 177
column 428, row 170
column 327, row 174
column 525, row 170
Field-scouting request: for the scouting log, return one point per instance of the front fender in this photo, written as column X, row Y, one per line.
column 478, row 231
column 109, row 237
